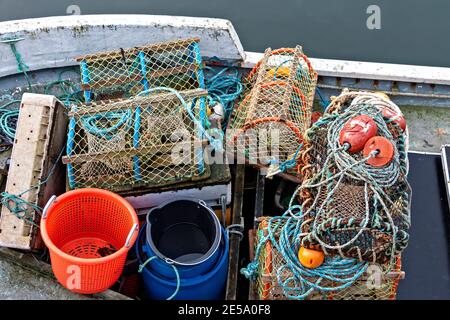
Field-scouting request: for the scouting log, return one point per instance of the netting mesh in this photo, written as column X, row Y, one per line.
column 379, row 282
column 279, row 95
column 355, row 210
column 126, row 72
column 146, row 140
column 143, row 120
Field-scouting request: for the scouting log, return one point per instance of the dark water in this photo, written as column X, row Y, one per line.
column 412, row 31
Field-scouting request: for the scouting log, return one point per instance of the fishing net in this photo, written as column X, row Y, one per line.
column 9, row 114
column 144, row 118
column 279, row 94
column 355, row 209
column 349, row 217
column 126, row 72
column 154, row 138
column 275, row 282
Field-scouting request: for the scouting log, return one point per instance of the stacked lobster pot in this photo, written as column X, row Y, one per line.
column 275, row 110
column 141, row 104
column 348, row 222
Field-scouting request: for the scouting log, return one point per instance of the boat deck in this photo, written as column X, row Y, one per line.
column 422, row 93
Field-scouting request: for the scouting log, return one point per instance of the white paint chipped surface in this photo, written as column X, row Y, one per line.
column 370, row 70
column 55, row 41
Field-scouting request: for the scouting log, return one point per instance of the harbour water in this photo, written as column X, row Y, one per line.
column 410, row 31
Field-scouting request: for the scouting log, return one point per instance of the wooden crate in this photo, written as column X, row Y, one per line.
column 40, row 137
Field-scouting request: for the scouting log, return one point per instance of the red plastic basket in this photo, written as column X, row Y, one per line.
column 88, row 233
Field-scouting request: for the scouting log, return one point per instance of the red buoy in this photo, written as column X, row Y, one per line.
column 385, row 150
column 397, row 118
column 315, row 116
column 357, row 131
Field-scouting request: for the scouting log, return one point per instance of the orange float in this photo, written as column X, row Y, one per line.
column 385, row 150
column 280, row 72
column 280, row 51
column 357, row 131
column 397, row 118
column 310, row 258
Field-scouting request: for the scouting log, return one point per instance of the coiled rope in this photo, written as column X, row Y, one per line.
column 8, row 116
column 296, row 281
column 349, row 166
column 95, row 124
column 285, row 233
column 24, row 209
column 224, row 87
column 215, row 143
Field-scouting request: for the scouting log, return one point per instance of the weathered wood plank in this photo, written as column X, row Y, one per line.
column 86, row 34
column 120, row 104
column 233, row 261
column 156, row 47
column 162, row 152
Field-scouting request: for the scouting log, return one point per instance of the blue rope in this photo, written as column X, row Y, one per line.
column 20, row 207
column 8, row 120
column 224, row 87
column 216, row 144
column 122, row 117
column 290, row 163
column 175, row 270
column 323, row 102
column 21, row 65
column 284, row 234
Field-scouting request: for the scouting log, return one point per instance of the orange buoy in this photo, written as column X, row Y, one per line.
column 316, row 115
column 310, row 258
column 385, row 150
column 357, row 131
column 280, row 72
column 397, row 118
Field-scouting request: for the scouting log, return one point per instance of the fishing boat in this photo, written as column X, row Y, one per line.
column 40, row 55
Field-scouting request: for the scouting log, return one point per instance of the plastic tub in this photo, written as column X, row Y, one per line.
column 88, row 233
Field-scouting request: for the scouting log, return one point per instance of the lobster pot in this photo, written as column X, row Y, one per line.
column 349, row 212
column 370, row 286
column 279, row 95
column 286, row 64
column 126, row 72
column 148, row 140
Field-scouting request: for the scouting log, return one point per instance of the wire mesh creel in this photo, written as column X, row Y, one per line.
column 362, row 212
column 126, row 72
column 279, row 96
column 128, row 143
column 119, row 139
column 370, row 286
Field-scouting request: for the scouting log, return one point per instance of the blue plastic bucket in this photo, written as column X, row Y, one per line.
column 183, row 232
column 209, row 285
